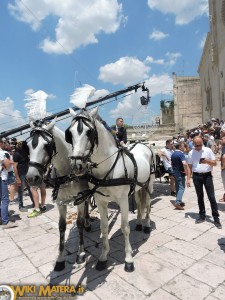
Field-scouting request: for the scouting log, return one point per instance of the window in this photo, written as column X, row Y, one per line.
column 209, row 98
column 223, row 99
column 223, row 12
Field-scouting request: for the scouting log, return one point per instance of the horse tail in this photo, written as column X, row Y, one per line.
column 142, row 197
column 152, row 171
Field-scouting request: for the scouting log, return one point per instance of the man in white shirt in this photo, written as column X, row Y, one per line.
column 4, row 194
column 201, row 160
column 223, row 166
column 166, row 154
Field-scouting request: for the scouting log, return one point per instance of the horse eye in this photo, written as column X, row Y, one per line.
column 89, row 132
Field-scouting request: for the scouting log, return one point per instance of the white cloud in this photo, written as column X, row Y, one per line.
column 9, row 117
column 157, row 85
column 202, row 41
column 151, row 60
column 172, row 58
column 126, row 70
column 99, row 94
column 78, row 22
column 185, row 11
column 158, row 35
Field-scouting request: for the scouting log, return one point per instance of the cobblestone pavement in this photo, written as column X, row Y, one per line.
column 178, row 260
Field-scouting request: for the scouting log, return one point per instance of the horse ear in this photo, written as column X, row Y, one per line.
column 72, row 112
column 94, row 112
column 32, row 124
column 50, row 126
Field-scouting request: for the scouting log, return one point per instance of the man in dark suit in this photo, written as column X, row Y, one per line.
column 121, row 132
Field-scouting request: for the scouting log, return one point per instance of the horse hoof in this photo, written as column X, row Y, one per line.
column 88, row 228
column 101, row 265
column 59, row 266
column 138, row 227
column 147, row 229
column 80, row 259
column 129, row 267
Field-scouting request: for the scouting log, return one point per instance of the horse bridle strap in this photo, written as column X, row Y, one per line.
column 93, row 135
column 50, row 144
column 37, row 165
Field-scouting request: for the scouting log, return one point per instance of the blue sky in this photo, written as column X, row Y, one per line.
column 57, row 46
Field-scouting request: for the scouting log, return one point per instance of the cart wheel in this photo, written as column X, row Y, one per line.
column 92, row 202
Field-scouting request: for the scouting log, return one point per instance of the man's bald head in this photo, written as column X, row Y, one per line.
column 198, row 143
column 197, row 140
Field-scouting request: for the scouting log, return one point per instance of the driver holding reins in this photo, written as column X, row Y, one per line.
column 121, row 132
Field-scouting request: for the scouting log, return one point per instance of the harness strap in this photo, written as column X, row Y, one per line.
column 117, row 181
column 58, row 181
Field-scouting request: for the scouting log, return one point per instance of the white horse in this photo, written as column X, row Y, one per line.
column 47, row 146
column 115, row 172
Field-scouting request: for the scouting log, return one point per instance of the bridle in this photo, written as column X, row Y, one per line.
column 50, row 147
column 92, row 134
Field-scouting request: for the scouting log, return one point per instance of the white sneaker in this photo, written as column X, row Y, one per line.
column 9, row 225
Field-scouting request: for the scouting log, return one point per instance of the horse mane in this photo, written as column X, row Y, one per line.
column 60, row 136
column 106, row 126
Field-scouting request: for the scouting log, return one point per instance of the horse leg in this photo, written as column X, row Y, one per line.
column 60, row 263
column 87, row 223
column 129, row 264
column 80, row 225
column 139, row 211
column 147, row 201
column 102, row 261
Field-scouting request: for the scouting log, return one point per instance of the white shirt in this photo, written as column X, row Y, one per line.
column 194, row 158
column 4, row 172
column 167, row 162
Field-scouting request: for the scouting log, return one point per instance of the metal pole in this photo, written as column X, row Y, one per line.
column 65, row 112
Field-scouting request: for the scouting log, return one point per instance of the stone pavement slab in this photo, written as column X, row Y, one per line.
column 150, row 273
column 186, row 288
column 15, row 268
column 207, row 272
column 160, row 294
column 178, row 260
column 187, row 249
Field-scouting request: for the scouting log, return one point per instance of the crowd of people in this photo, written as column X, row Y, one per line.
column 14, row 161
column 195, row 154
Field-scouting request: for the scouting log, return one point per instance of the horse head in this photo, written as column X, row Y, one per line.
column 42, row 148
column 83, row 136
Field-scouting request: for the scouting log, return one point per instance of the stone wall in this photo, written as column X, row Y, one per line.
column 187, row 102
column 212, row 65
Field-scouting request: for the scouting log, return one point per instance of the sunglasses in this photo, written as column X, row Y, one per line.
column 200, row 145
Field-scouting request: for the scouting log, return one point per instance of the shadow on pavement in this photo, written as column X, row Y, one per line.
column 221, row 206
column 221, row 243
column 86, row 273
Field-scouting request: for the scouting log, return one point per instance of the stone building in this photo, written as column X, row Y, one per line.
column 187, row 102
column 167, row 111
column 212, row 64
